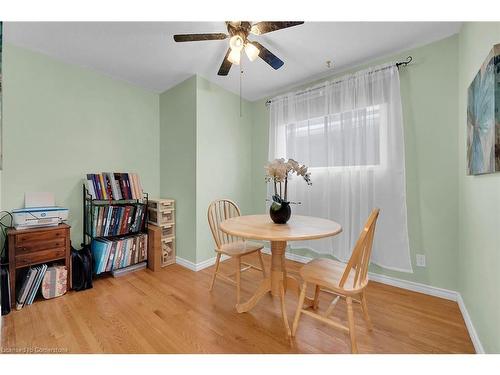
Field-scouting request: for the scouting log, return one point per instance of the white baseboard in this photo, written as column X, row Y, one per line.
column 185, row 263
column 388, row 280
column 414, row 286
column 198, row 266
column 470, row 327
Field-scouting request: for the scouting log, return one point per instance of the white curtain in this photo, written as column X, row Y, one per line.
column 350, row 134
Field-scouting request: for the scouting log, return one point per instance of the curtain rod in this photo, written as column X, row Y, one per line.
column 408, row 60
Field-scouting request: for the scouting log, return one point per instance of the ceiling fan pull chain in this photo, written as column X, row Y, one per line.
column 241, row 80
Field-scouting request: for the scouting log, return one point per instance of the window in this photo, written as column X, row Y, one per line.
column 347, row 139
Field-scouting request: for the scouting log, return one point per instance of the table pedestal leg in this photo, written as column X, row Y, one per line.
column 277, row 269
column 277, row 284
column 264, row 287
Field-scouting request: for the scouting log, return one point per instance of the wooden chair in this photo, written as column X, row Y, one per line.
column 344, row 281
column 235, row 247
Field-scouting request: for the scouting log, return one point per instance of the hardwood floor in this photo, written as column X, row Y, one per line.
column 172, row 311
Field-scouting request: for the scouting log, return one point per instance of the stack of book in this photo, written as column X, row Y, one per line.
column 114, row 186
column 116, row 220
column 112, row 254
column 30, row 285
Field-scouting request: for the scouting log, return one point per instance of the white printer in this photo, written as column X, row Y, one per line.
column 39, row 211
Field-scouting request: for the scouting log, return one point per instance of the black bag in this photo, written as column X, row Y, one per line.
column 81, row 268
column 5, row 290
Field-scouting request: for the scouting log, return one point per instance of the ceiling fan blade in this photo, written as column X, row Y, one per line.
column 225, row 66
column 198, row 37
column 268, row 26
column 268, row 56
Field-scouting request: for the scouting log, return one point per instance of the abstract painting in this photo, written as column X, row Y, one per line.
column 483, row 117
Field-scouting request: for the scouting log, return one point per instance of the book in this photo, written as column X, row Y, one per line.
column 111, row 257
column 124, row 220
column 89, row 185
column 112, row 221
column 139, row 250
column 131, row 216
column 123, row 186
column 107, row 185
column 133, row 247
column 102, row 187
column 133, row 256
column 97, row 186
column 144, row 247
column 117, row 186
column 36, row 285
column 98, row 248
column 141, row 192
column 109, row 213
column 127, row 185
column 119, row 223
column 112, row 185
column 137, row 219
column 25, row 287
column 36, row 270
column 100, row 220
column 118, row 260
column 140, row 222
column 135, row 188
column 94, row 222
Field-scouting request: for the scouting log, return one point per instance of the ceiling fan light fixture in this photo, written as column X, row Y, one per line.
column 251, row 51
column 236, row 43
column 234, row 57
column 255, row 30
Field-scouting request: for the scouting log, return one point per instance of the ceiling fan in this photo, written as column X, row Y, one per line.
column 238, row 32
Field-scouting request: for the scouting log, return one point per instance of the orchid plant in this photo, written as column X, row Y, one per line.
column 279, row 172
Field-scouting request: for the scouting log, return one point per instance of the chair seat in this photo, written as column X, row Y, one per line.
column 239, row 248
column 327, row 273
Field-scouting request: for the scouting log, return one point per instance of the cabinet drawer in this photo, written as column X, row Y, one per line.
column 168, row 251
column 168, row 231
column 30, row 247
column 161, row 205
column 39, row 257
column 42, row 236
column 161, row 218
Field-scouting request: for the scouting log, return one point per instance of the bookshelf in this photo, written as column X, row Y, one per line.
column 93, row 207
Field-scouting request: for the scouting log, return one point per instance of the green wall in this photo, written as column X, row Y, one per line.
column 224, row 156
column 428, row 91
column 479, row 203
column 61, row 121
column 205, row 155
column 178, row 161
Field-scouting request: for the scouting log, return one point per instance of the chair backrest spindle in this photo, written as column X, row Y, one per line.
column 218, row 211
column 360, row 258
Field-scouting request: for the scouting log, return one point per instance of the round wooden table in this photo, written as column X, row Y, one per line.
column 261, row 227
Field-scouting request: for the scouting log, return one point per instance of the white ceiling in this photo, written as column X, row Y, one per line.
column 144, row 53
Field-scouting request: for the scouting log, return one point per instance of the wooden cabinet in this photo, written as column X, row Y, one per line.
column 161, row 233
column 29, row 247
